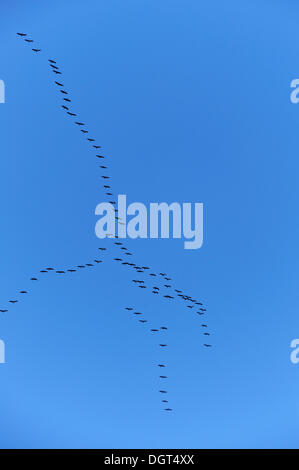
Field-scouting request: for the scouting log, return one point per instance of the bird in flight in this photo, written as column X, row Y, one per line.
column 208, row 345
column 36, row 50
column 13, row 301
column 22, row 34
column 3, row 311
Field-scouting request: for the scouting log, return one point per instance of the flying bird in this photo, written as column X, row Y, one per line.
column 3, row 311
column 13, row 301
column 22, row 34
column 36, row 50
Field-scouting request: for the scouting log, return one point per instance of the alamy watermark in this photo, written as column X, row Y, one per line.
column 2, row 352
column 2, row 91
column 295, row 353
column 187, row 221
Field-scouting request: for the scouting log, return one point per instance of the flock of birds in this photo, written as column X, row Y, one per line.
column 159, row 283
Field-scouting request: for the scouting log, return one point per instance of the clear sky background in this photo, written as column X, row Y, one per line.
column 190, row 101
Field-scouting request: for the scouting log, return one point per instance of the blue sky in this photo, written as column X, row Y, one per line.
column 190, row 101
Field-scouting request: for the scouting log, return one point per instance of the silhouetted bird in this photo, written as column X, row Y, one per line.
column 22, row 34
column 3, row 311
column 13, row 301
column 208, row 345
column 36, row 50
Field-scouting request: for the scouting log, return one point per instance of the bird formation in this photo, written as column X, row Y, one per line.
column 146, row 276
